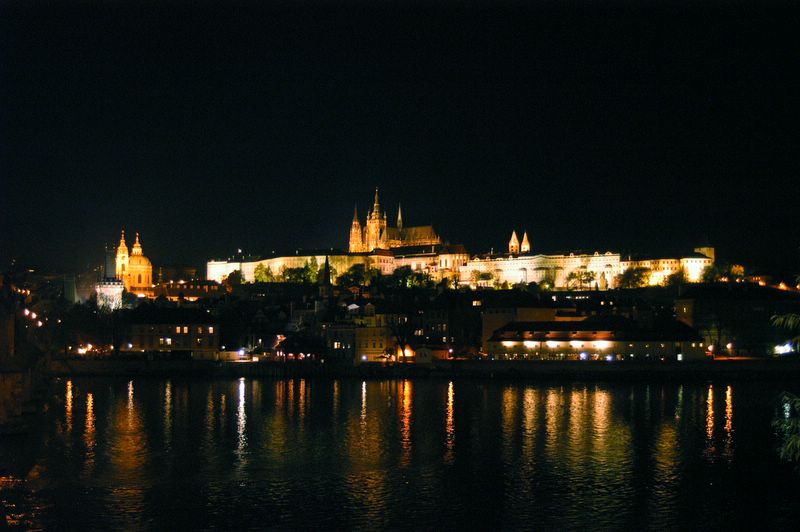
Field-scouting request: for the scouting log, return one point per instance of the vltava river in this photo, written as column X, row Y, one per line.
column 409, row 454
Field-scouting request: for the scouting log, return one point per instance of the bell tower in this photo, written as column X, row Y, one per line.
column 122, row 259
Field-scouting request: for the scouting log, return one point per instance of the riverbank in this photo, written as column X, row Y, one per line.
column 634, row 371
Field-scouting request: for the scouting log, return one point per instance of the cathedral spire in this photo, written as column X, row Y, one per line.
column 355, row 213
column 376, row 207
column 122, row 238
column 525, row 247
column 399, row 217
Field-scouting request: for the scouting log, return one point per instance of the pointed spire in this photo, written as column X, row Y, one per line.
column 376, row 207
column 399, row 217
column 122, row 249
column 355, row 213
column 326, row 272
column 525, row 247
column 513, row 244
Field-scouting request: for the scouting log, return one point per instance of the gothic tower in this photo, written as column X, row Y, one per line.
column 376, row 226
column 399, row 217
column 356, row 240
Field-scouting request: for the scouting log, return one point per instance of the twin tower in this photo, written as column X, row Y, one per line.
column 515, row 248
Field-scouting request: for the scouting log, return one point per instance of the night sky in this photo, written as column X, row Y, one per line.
column 208, row 128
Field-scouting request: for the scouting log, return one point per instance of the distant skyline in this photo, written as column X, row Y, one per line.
column 210, row 128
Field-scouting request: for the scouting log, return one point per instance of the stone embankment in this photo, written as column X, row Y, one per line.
column 573, row 370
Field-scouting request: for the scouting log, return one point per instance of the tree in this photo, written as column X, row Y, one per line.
column 296, row 275
column 633, row 278
column 263, row 274
column 233, row 279
column 580, row 279
column 787, row 425
column 790, row 321
column 420, row 279
column 312, row 269
column 676, row 279
column 788, row 421
column 355, row 276
column 711, row 273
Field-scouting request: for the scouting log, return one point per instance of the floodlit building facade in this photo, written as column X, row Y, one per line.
column 610, row 338
column 134, row 269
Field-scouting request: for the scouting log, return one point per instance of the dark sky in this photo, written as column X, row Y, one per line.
column 208, row 128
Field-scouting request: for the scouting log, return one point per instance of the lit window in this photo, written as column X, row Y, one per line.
column 169, row 341
column 185, row 329
column 178, row 329
column 211, row 330
column 160, row 341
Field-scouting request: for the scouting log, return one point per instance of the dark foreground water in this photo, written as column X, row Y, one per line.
column 176, row 454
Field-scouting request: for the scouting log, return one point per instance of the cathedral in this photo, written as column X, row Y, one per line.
column 376, row 233
column 134, row 270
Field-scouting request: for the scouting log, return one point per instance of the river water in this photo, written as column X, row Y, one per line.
column 400, row 454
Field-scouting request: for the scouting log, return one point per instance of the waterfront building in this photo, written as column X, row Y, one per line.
column 192, row 332
column 606, row 337
column 736, row 318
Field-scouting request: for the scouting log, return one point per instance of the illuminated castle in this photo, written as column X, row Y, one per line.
column 134, row 270
column 376, row 233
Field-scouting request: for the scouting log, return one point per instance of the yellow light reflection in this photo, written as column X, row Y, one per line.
column 168, row 413
column 241, row 422
column 509, row 420
column 68, row 407
column 209, row 413
column 710, row 421
column 405, row 422
column 302, row 400
column 130, row 404
column 89, row 433
column 729, row 423
column 336, row 399
column 363, row 400
column 128, row 456
column 529, row 420
column 450, row 424
column 552, row 415
column 601, row 423
column 290, row 398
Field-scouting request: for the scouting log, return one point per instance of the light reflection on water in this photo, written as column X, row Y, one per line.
column 388, row 454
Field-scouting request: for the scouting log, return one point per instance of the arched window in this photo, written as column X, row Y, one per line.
column 140, row 278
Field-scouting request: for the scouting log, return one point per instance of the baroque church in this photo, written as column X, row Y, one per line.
column 376, row 233
column 134, row 269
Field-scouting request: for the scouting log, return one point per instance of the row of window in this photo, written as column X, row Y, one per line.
column 185, row 329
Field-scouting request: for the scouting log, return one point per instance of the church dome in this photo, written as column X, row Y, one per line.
column 140, row 269
column 139, row 261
